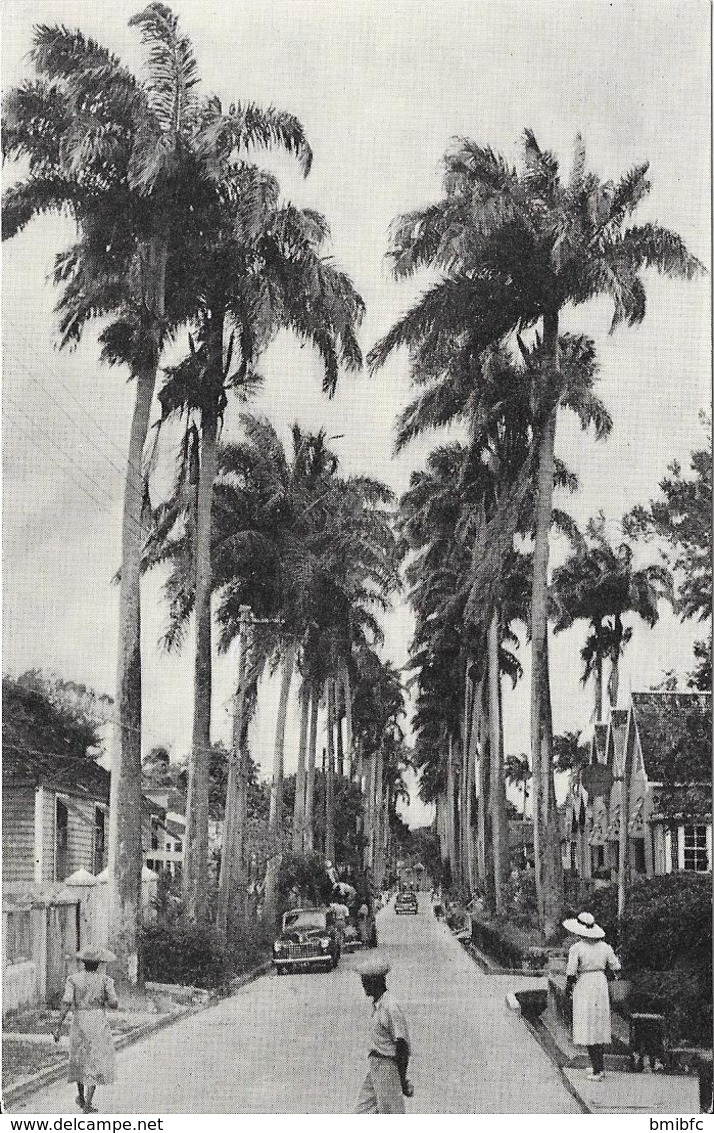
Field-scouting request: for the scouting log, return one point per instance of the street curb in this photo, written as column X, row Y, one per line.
column 483, row 961
column 28, row 1086
column 584, row 1107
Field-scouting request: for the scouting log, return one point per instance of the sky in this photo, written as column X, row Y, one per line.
column 380, row 90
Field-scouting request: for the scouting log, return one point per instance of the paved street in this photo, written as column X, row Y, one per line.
column 296, row 1043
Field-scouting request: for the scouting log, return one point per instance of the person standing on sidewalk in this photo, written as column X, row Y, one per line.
column 91, row 1046
column 589, row 960
column 386, row 1084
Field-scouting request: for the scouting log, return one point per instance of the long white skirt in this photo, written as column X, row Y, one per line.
column 591, row 1010
column 91, row 1049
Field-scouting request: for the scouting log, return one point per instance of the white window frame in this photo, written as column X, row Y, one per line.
column 680, row 841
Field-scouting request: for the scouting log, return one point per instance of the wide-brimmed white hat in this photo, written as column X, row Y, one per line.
column 96, row 955
column 373, row 965
column 584, row 925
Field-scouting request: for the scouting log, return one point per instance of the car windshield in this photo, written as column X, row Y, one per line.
column 304, row 919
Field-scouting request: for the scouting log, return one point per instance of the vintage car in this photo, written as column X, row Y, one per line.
column 309, row 939
column 406, row 903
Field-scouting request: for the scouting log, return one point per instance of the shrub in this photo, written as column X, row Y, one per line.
column 182, row 952
column 520, row 897
column 681, row 998
column 667, row 924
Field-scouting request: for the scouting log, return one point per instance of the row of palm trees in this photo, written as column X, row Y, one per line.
column 513, row 248
column 302, row 560
column 177, row 229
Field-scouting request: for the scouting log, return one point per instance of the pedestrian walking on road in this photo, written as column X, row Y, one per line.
column 91, row 1047
column 589, row 961
column 386, row 1084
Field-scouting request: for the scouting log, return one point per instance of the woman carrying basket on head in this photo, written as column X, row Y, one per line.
column 589, row 960
column 91, row 1047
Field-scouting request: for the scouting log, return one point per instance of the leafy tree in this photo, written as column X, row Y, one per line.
column 514, row 248
column 45, row 715
column 683, row 519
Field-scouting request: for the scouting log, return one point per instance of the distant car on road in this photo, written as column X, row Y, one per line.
column 309, row 939
column 406, row 903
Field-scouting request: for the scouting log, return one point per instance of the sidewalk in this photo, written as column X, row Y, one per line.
column 621, row 1091
column 636, row 1093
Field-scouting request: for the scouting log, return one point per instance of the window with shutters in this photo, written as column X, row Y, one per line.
column 99, row 840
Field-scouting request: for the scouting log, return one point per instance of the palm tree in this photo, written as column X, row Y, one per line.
column 599, row 584
column 515, row 248
column 134, row 163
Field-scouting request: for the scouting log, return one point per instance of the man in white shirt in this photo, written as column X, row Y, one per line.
column 386, row 1084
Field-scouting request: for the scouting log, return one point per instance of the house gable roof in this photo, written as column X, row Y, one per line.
column 61, row 772
column 675, row 733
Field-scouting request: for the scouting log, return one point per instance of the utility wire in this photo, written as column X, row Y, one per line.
column 77, row 402
column 32, row 436
column 82, row 432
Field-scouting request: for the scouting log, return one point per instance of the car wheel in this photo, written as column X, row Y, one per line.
column 280, row 970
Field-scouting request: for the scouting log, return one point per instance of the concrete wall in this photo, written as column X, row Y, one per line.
column 19, row 986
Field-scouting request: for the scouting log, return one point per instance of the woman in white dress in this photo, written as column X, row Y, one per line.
column 91, row 1048
column 589, row 960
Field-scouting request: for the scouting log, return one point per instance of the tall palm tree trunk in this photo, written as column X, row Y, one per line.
column 450, row 806
column 347, row 693
column 340, row 745
column 545, row 835
column 276, row 790
column 613, row 685
column 471, row 787
column 597, row 633
column 299, row 807
column 125, row 856
column 499, row 826
column 486, row 831
column 379, row 817
column 311, row 756
column 232, row 818
column 195, row 870
column 330, row 774
column 369, row 813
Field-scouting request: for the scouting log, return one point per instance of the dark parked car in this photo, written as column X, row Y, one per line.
column 308, row 940
column 406, row 903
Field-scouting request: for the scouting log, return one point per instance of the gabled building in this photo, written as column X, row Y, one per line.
column 670, row 783
column 646, row 794
column 54, row 818
column 164, row 850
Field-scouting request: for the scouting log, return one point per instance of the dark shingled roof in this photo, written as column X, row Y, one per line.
column 691, row 803
column 675, row 730
column 63, row 772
